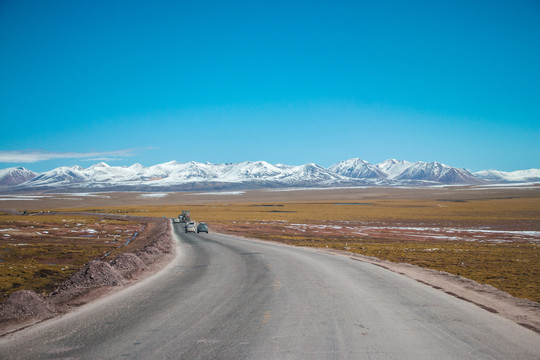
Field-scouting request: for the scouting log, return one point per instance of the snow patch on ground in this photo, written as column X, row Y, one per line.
column 85, row 194
column 318, row 188
column 153, row 195
column 426, row 232
column 521, row 185
column 23, row 197
column 221, row 193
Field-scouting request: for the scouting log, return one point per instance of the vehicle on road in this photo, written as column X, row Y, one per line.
column 202, row 227
column 175, row 220
column 191, row 227
column 185, row 216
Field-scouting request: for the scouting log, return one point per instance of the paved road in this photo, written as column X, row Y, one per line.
column 229, row 298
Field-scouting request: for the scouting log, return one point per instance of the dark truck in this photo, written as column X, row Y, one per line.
column 185, row 216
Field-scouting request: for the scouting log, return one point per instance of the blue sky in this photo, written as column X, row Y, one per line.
column 282, row 81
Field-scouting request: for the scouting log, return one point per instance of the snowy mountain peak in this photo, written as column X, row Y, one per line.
column 252, row 170
column 15, row 176
column 310, row 166
column 67, row 169
column 437, row 172
column 393, row 167
column 136, row 166
column 98, row 166
column 62, row 175
column 175, row 176
column 358, row 169
column 176, row 163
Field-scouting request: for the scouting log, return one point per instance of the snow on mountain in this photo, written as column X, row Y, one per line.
column 185, row 175
column 176, row 173
column 490, row 175
column 531, row 175
column 249, row 174
column 358, row 169
column 15, row 176
column 59, row 176
column 392, row 167
column 100, row 173
column 310, row 173
column 100, row 165
column 437, row 172
column 397, row 170
column 162, row 170
column 104, row 173
column 250, row 171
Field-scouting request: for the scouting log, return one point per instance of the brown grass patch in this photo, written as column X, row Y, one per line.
column 512, row 266
column 39, row 252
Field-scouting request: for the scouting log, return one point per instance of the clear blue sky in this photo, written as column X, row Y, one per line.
column 281, row 81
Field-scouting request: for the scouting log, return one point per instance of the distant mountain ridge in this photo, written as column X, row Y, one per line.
column 194, row 176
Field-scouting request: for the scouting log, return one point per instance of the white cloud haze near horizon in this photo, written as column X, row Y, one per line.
column 33, row 156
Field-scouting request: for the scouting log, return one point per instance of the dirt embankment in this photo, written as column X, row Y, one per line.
column 27, row 307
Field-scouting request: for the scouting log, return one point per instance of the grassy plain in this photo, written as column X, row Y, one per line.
column 491, row 235
column 492, row 240
column 502, row 212
column 38, row 252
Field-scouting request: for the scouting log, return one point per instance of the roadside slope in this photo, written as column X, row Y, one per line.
column 150, row 251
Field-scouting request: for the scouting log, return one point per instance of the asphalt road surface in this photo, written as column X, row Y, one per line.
column 228, row 298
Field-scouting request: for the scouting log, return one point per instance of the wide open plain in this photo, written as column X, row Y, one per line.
column 37, row 201
column 223, row 297
column 487, row 234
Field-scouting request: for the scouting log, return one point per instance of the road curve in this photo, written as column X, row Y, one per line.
column 228, row 298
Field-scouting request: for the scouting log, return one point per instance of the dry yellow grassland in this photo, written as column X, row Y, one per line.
column 490, row 211
column 493, row 244
column 38, row 252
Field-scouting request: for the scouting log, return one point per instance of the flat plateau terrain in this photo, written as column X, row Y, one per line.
column 487, row 234
column 38, row 201
column 226, row 297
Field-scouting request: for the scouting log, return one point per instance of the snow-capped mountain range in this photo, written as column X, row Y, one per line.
column 520, row 176
column 175, row 176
